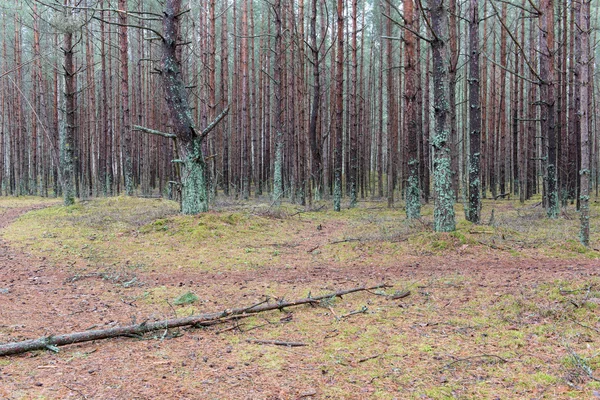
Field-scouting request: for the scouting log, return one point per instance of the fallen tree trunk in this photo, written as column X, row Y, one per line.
column 52, row 342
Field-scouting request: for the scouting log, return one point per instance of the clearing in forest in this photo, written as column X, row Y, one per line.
column 506, row 309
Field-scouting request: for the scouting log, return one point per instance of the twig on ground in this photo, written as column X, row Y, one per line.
column 333, row 313
column 313, row 248
column 399, row 295
column 309, row 210
column 363, row 310
column 276, row 342
column 235, row 326
column 83, row 396
column 586, row 326
column 345, row 241
column 362, row 360
column 582, row 364
column 473, row 357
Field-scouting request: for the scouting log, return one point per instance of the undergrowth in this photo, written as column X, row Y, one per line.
column 454, row 336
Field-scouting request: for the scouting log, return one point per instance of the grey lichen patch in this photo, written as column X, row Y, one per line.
column 353, row 195
column 553, row 206
column 278, row 174
column 413, row 192
column 337, row 193
column 440, row 139
column 444, row 220
column 473, row 208
column 194, row 194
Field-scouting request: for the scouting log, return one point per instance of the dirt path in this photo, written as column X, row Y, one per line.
column 39, row 299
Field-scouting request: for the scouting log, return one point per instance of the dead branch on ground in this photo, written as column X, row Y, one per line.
column 207, row 319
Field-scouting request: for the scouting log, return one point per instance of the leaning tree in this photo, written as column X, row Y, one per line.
column 189, row 139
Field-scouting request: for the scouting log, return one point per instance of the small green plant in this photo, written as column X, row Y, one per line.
column 186, row 298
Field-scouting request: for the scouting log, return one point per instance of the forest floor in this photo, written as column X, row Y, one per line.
column 504, row 310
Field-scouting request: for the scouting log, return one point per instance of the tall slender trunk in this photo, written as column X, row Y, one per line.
column 278, row 76
column 532, row 123
column 413, row 192
column 315, row 145
column 392, row 136
column 452, row 83
column 523, row 160
column 380, row 125
column 502, row 118
column 440, row 141
column 301, row 93
column 67, row 122
column 426, row 158
column 585, row 172
column 125, row 109
column 474, row 208
column 224, row 99
column 339, row 108
column 212, row 88
column 547, row 73
column 353, row 162
column 574, row 102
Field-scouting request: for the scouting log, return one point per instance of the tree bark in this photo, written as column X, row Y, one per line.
column 392, row 118
column 315, row 145
column 547, row 73
column 474, row 208
column 125, row 109
column 585, row 171
column 67, row 121
column 353, row 134
column 339, row 108
column 194, row 194
column 279, row 94
column 411, row 125
column 440, row 141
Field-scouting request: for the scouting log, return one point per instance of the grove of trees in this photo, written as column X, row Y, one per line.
column 418, row 101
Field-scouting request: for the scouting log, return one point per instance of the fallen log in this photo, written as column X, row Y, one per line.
column 52, row 342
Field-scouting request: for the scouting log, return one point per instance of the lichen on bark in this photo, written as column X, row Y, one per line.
column 442, row 184
column 278, row 173
column 194, row 194
column 413, row 192
column 553, row 205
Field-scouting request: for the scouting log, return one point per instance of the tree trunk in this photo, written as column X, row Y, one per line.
column 278, row 76
column 125, row 109
column 440, row 140
column 411, row 125
column 339, row 108
column 224, row 99
column 194, row 195
column 547, row 73
column 426, row 155
column 452, row 83
column 392, row 123
column 67, row 121
column 474, row 208
column 584, row 61
column 315, row 145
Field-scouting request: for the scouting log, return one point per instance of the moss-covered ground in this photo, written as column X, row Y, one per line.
column 507, row 309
